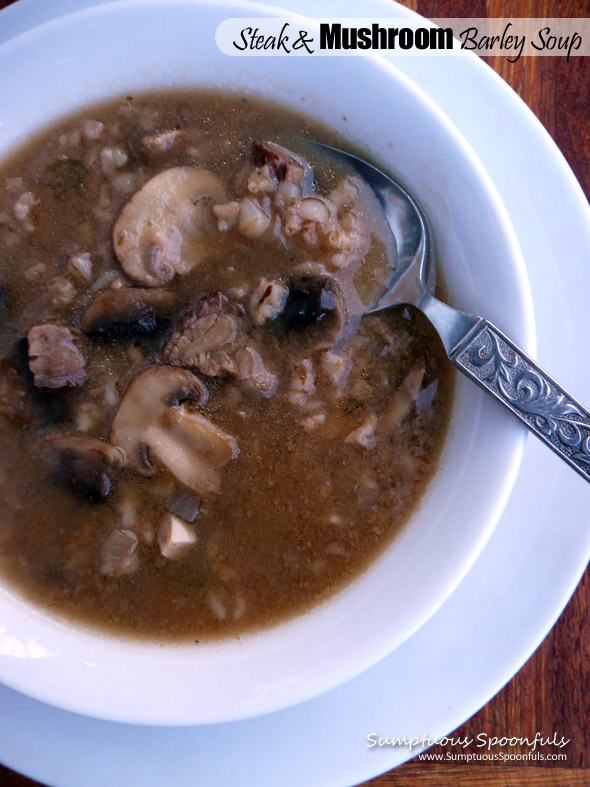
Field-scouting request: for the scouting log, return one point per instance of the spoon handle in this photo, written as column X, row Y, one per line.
column 497, row 365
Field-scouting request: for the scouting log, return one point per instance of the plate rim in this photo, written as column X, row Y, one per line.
column 364, row 772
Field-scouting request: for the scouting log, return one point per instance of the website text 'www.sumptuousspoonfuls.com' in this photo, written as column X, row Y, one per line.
column 500, row 756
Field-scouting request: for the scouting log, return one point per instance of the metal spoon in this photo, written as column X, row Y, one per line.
column 475, row 346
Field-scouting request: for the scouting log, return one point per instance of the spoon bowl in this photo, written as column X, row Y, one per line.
column 407, row 223
column 476, row 347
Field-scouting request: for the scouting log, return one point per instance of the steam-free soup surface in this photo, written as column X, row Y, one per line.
column 198, row 433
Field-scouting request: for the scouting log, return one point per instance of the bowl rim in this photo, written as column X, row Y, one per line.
column 509, row 236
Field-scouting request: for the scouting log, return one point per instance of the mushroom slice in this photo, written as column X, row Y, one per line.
column 127, row 311
column 175, row 537
column 202, row 434
column 155, row 425
column 143, row 405
column 188, row 466
column 85, row 464
column 165, row 229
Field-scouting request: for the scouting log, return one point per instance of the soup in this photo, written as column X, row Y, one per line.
column 199, row 435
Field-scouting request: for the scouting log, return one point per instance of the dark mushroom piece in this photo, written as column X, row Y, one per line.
column 314, row 305
column 127, row 312
column 54, row 358
column 86, row 465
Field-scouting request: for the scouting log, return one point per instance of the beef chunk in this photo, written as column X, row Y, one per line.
column 54, row 359
column 214, row 338
column 285, row 164
column 207, row 336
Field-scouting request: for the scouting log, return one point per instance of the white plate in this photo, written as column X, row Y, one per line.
column 503, row 608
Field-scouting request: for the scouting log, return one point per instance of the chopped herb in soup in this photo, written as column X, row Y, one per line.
column 199, row 435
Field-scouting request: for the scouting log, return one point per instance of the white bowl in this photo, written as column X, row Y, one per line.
column 132, row 46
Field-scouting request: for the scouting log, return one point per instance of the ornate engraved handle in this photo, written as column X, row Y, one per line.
column 498, row 366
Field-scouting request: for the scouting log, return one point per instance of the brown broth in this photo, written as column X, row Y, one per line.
column 301, row 512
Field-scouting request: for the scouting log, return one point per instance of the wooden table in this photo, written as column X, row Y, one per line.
column 552, row 691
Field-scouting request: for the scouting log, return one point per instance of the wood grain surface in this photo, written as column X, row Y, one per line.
column 551, row 693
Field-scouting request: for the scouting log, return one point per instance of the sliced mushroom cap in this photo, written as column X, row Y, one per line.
column 169, row 449
column 165, row 229
column 144, row 404
column 127, row 311
column 155, row 425
column 205, row 437
column 85, row 464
